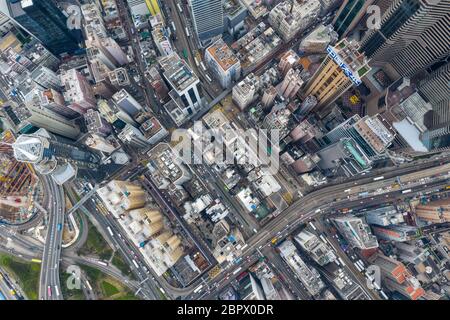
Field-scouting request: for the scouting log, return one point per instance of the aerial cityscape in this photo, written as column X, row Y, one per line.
column 224, row 150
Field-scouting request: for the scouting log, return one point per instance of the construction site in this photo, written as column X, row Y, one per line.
column 18, row 184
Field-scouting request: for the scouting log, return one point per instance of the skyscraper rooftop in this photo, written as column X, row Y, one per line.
column 177, row 72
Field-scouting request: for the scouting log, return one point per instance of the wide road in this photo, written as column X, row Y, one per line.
column 335, row 196
column 24, row 249
column 6, row 287
column 285, row 274
column 184, row 42
column 319, row 202
column 149, row 94
column 49, row 284
column 91, row 209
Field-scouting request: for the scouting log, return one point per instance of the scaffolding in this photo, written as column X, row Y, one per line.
column 16, row 179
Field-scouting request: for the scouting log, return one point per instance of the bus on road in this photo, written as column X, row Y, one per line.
column 185, row 54
column 102, row 263
column 57, row 291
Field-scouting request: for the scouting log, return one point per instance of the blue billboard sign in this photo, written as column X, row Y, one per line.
column 333, row 55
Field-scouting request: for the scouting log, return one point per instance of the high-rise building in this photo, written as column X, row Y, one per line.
column 318, row 40
column 269, row 97
column 249, row 288
column 52, row 156
column 96, row 124
column 166, row 167
column 108, row 51
column 343, row 67
column 344, row 157
column 435, row 88
column 99, row 45
column 410, row 253
column 435, row 211
column 126, row 102
column 349, row 14
column 307, row 105
column 278, row 119
column 120, row 196
column 371, row 133
column 415, row 107
column 35, row 115
column 376, row 133
column 131, row 135
column 153, row 130
column 23, row 56
column 6, row 24
column 316, row 248
column 291, row 84
column 245, row 91
column 288, row 60
column 234, row 13
column 383, row 216
column 77, row 91
column 139, row 9
column 44, row 21
column 365, row 21
column 223, row 62
column 291, row 16
column 153, row 222
column 162, row 41
column 208, row 18
column 411, row 30
column 356, row 231
column 46, row 78
column 308, row 275
column 145, row 227
column 438, row 116
column 185, row 88
column 396, row 232
column 437, row 139
column 53, row 100
column 396, row 277
column 113, row 114
column 99, row 143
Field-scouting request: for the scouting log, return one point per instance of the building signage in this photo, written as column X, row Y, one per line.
column 343, row 66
